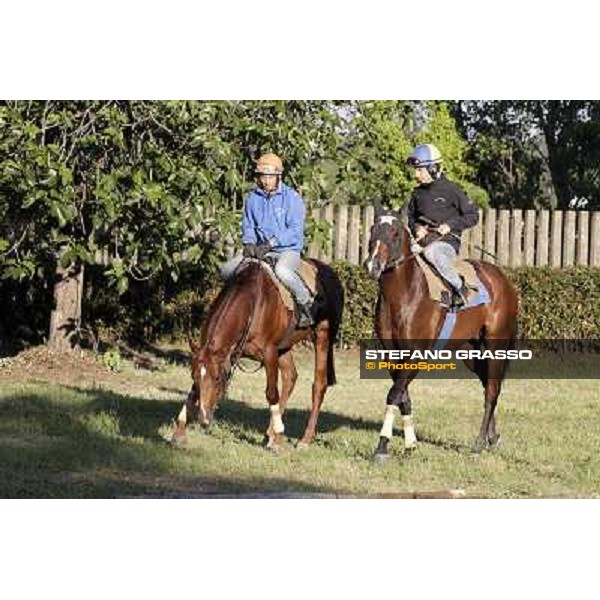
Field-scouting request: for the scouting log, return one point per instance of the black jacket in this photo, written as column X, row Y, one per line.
column 442, row 202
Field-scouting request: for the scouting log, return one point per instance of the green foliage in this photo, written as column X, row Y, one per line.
column 535, row 153
column 554, row 304
column 441, row 130
column 559, row 304
column 378, row 136
column 360, row 299
column 111, row 359
column 134, row 189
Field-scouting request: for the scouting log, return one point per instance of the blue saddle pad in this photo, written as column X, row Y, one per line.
column 482, row 297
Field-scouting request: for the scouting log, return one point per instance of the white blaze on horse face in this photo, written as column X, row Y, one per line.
column 388, row 219
column 202, row 371
column 387, row 429
column 204, row 414
column 372, row 257
column 410, row 438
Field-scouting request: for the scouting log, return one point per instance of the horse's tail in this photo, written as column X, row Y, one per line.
column 334, row 296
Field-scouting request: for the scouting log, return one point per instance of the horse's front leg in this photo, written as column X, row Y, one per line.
column 179, row 435
column 398, row 401
column 276, row 427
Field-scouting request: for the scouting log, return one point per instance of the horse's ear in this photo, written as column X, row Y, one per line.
column 378, row 207
column 193, row 346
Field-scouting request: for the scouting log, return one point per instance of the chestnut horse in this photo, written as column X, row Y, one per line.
column 406, row 313
column 249, row 319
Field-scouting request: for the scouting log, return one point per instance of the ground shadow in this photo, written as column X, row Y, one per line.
column 241, row 415
column 66, row 449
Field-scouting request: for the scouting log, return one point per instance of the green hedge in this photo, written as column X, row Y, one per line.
column 555, row 304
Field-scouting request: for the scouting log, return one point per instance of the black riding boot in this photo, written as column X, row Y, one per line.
column 306, row 317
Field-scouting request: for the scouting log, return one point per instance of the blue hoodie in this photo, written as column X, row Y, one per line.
column 278, row 218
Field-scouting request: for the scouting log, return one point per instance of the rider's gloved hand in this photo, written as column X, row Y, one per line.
column 249, row 251
column 262, row 249
column 420, row 232
column 444, row 229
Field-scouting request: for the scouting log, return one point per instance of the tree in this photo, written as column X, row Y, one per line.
column 377, row 138
column 138, row 183
column 537, row 153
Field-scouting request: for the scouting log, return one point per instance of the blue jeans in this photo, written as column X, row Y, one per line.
column 286, row 266
column 442, row 256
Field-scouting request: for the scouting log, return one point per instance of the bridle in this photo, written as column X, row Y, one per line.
column 398, row 260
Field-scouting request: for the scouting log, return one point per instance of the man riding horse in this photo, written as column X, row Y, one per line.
column 273, row 227
column 252, row 317
column 438, row 212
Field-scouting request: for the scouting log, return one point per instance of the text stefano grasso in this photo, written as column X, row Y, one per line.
column 380, row 354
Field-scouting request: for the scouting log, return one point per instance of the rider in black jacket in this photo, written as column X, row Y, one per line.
column 438, row 212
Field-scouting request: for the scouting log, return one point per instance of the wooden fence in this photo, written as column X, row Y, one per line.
column 516, row 237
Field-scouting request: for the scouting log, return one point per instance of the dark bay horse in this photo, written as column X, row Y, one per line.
column 249, row 319
column 406, row 313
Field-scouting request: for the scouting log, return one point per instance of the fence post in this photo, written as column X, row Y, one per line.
column 476, row 238
column 313, row 249
column 595, row 240
column 556, row 239
column 369, row 218
column 569, row 239
column 341, row 232
column 490, row 233
column 327, row 215
column 529, row 238
column 543, row 233
column 516, row 232
column 503, row 236
column 354, row 235
column 583, row 227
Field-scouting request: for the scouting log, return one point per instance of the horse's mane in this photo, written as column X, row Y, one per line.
column 241, row 281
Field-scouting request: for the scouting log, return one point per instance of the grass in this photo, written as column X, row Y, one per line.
column 110, row 441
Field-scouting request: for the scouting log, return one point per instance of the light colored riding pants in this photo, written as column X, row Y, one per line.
column 442, row 256
column 287, row 264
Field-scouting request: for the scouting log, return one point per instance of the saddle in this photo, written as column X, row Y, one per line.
column 307, row 273
column 441, row 291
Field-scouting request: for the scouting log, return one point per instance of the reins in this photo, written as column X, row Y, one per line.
column 236, row 355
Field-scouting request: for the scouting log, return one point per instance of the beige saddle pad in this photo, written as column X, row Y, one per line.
column 437, row 285
column 308, row 274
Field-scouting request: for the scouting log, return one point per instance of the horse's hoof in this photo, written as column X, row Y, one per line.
column 381, row 457
column 410, row 448
column 495, row 442
column 276, row 449
column 479, row 446
column 302, row 445
column 178, row 440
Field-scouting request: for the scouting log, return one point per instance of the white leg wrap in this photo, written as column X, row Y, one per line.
column 410, row 439
column 276, row 420
column 387, row 429
column 182, row 418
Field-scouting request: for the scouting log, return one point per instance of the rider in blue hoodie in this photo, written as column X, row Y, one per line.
column 273, row 226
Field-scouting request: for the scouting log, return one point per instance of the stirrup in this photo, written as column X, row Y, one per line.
column 460, row 297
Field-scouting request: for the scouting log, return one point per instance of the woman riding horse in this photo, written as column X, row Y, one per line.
column 406, row 316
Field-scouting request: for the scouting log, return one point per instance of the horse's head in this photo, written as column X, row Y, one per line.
column 210, row 382
column 387, row 244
